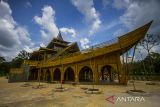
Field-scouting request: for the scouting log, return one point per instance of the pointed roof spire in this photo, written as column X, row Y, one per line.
column 59, row 36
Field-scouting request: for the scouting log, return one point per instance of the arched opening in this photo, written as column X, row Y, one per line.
column 48, row 76
column 69, row 74
column 57, row 75
column 108, row 74
column 42, row 74
column 85, row 74
column 33, row 74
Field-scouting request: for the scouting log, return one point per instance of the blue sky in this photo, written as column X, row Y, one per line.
column 66, row 15
column 29, row 24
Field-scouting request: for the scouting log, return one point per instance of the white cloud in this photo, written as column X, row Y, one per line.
column 26, row 48
column 68, row 31
column 119, row 32
column 13, row 37
column 120, row 4
column 28, row 4
column 84, row 43
column 139, row 12
column 23, row 35
column 156, row 49
column 30, row 49
column 110, row 25
column 42, row 45
column 44, row 35
column 5, row 10
column 47, row 23
column 86, row 7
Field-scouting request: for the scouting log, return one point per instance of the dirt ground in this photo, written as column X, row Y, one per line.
column 14, row 95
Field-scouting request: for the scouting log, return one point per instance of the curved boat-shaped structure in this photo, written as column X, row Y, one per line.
column 62, row 60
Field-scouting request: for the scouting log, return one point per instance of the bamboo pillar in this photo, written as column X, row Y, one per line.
column 96, row 74
column 44, row 75
column 62, row 76
column 126, row 70
column 51, row 72
column 76, row 74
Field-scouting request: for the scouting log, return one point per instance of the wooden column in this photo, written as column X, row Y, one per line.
column 62, row 76
column 76, row 74
column 120, row 71
column 96, row 74
column 51, row 72
column 39, row 74
column 34, row 75
column 44, row 75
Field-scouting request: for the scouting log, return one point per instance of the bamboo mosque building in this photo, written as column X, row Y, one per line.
column 63, row 61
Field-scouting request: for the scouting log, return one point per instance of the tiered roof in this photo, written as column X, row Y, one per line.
column 58, row 41
column 51, row 47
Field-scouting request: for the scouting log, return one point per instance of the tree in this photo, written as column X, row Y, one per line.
column 23, row 55
column 148, row 43
column 136, row 68
column 17, row 61
column 2, row 59
column 4, row 66
column 155, row 57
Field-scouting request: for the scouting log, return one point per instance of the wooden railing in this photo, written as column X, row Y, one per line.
column 31, row 63
column 94, row 47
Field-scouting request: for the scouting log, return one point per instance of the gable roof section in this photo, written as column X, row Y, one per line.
column 59, row 40
column 71, row 48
